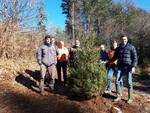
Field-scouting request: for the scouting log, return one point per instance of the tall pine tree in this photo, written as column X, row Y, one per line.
column 71, row 8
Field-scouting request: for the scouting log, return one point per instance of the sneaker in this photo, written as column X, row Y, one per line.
column 107, row 91
column 51, row 85
column 117, row 99
column 129, row 101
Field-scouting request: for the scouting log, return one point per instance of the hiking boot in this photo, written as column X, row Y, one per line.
column 51, row 85
column 117, row 99
column 41, row 86
column 130, row 96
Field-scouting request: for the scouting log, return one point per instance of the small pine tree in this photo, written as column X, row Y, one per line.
column 88, row 79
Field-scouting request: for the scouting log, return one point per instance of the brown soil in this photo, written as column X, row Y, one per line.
column 20, row 94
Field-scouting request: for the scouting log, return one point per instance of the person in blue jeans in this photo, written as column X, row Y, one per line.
column 127, row 61
column 112, row 68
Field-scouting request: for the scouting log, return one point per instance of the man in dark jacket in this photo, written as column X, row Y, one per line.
column 127, row 61
column 47, row 59
column 73, row 54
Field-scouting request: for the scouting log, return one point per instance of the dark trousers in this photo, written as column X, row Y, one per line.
column 62, row 66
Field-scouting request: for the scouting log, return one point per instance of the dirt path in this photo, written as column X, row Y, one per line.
column 19, row 95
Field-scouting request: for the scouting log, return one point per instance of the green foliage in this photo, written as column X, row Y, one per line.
column 145, row 69
column 146, row 61
column 71, row 9
column 88, row 79
column 60, row 35
column 66, row 10
column 96, row 8
column 95, row 13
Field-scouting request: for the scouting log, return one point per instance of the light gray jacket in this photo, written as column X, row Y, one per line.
column 46, row 55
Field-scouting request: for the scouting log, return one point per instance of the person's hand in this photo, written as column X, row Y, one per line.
column 103, row 62
column 133, row 70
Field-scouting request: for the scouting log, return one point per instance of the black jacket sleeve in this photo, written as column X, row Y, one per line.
column 134, row 57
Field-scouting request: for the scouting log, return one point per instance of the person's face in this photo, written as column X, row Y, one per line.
column 61, row 44
column 52, row 40
column 48, row 40
column 115, row 45
column 102, row 47
column 124, row 40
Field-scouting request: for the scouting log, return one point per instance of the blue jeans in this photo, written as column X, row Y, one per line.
column 111, row 72
column 125, row 73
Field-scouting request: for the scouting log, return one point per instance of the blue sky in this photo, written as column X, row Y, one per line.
column 57, row 19
column 144, row 4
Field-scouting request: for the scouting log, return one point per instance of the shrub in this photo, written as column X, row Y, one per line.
column 88, row 79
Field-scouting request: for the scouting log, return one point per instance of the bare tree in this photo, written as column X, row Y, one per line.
column 15, row 16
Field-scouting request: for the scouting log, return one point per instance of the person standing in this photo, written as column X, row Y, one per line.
column 103, row 57
column 62, row 61
column 47, row 59
column 127, row 61
column 73, row 54
column 112, row 67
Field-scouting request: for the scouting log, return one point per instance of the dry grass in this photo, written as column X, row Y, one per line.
column 10, row 68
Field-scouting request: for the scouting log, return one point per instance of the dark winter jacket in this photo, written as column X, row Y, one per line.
column 126, row 55
column 46, row 55
column 73, row 55
column 73, row 52
column 103, row 56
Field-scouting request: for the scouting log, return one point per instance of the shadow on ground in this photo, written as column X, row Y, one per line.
column 22, row 103
column 142, row 84
column 29, row 79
